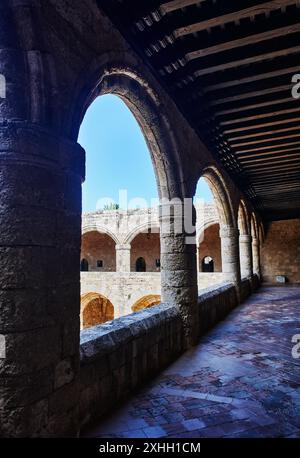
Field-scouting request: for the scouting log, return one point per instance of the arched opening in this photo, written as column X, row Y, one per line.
column 255, row 245
column 140, row 265
column 216, row 228
column 84, row 265
column 243, row 220
column 210, row 247
column 245, row 245
column 95, row 309
column 207, row 264
column 145, row 252
column 117, row 141
column 99, row 251
column 146, row 302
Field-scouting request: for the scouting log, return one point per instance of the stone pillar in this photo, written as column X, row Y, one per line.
column 230, row 255
column 256, row 258
column 40, row 232
column 179, row 271
column 246, row 255
column 123, row 258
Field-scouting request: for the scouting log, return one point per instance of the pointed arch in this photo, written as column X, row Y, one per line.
column 243, row 219
column 111, row 75
column 221, row 196
column 254, row 226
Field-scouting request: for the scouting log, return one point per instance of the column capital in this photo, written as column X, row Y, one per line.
column 228, row 231
column 125, row 246
column 245, row 238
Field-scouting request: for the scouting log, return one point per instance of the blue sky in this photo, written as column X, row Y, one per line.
column 117, row 156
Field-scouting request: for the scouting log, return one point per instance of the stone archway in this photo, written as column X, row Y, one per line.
column 209, row 245
column 255, row 245
column 146, row 246
column 228, row 225
column 95, row 309
column 146, row 302
column 99, row 251
column 245, row 241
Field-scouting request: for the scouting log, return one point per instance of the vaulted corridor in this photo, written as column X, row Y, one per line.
column 239, row 381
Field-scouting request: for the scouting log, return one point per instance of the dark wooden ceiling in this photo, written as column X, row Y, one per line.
column 228, row 66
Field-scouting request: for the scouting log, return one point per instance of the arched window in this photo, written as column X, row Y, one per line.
column 207, row 264
column 84, row 265
column 140, row 265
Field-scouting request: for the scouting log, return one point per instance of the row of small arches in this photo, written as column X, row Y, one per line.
column 98, row 309
column 140, row 264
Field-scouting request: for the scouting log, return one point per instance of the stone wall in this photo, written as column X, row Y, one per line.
column 281, row 251
column 124, row 289
column 120, row 355
column 208, row 279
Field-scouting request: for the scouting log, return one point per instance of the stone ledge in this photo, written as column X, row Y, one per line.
column 213, row 291
column 214, row 304
column 105, row 338
column 119, row 355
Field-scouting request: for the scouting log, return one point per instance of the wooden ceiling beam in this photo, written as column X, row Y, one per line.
column 269, row 157
column 270, row 168
column 249, row 40
column 248, row 95
column 263, row 134
column 260, row 126
column 175, row 5
column 255, row 105
column 251, row 79
column 263, row 8
column 273, row 147
column 265, row 140
column 247, row 61
column 271, row 114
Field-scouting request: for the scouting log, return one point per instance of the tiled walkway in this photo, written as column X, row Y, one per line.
column 240, row 381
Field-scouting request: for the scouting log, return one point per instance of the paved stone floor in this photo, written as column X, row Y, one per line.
column 239, row 381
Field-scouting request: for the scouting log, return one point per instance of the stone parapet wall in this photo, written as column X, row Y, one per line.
column 214, row 304
column 245, row 288
column 118, row 356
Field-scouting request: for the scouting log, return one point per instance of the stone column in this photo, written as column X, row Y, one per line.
column 179, row 271
column 230, row 255
column 123, row 258
column 40, row 231
column 245, row 241
column 255, row 253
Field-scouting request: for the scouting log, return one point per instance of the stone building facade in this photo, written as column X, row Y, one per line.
column 128, row 236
